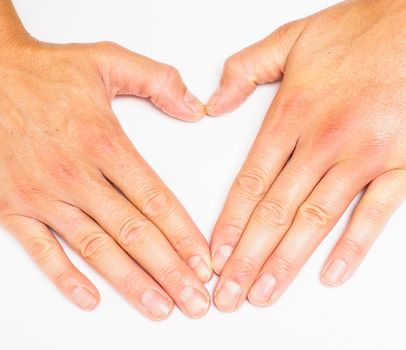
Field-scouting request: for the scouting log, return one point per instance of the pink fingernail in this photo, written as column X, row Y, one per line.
column 156, row 304
column 220, row 257
column 335, row 272
column 84, row 298
column 202, row 270
column 194, row 301
column 262, row 290
column 228, row 296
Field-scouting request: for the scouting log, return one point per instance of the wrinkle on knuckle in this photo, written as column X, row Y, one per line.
column 131, row 284
column 252, row 183
column 281, row 264
column 170, row 276
column 273, row 213
column 93, row 244
column 62, row 278
column 352, row 248
column 134, row 233
column 231, row 232
column 156, row 203
column 242, row 267
column 41, row 248
column 374, row 211
column 184, row 243
column 314, row 214
column 168, row 78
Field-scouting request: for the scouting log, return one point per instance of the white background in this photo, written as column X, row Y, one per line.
column 198, row 161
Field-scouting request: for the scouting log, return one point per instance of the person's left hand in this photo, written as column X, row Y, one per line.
column 337, row 124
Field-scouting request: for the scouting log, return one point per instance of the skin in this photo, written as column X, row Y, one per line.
column 336, row 126
column 67, row 165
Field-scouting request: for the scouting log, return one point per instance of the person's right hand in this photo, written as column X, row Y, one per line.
column 66, row 164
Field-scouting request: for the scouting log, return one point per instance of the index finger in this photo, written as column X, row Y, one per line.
column 269, row 154
column 125, row 167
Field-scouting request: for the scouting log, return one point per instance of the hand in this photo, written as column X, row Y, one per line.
column 337, row 124
column 66, row 164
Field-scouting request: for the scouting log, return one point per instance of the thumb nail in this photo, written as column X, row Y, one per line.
column 211, row 105
column 194, row 104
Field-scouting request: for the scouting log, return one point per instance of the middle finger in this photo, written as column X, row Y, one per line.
column 145, row 243
column 268, row 224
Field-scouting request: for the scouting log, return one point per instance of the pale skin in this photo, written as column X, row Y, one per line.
column 67, row 165
column 336, row 126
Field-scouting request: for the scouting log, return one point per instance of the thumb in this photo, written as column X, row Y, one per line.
column 127, row 73
column 261, row 63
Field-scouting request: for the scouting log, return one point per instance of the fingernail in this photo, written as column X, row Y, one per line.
column 228, row 296
column 202, row 270
column 85, row 299
column 156, row 304
column 335, row 272
column 194, row 301
column 211, row 104
column 262, row 290
column 220, row 257
column 194, row 104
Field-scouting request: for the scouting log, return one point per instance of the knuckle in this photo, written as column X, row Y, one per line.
column 168, row 78
column 131, row 284
column 374, row 211
column 315, row 214
column 133, row 233
column 273, row 213
column 252, row 183
column 281, row 33
column 107, row 45
column 170, row 74
column 243, row 267
column 184, row 243
column 41, row 248
column 64, row 170
column 170, row 276
column 29, row 192
column 353, row 248
column 281, row 264
column 93, row 245
column 230, row 232
column 102, row 140
column 295, row 106
column 63, row 278
column 156, row 203
column 233, row 64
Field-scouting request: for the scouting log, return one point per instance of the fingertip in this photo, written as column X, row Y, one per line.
column 194, row 105
column 226, row 99
column 211, row 106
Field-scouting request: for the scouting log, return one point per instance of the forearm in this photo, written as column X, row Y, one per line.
column 10, row 24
